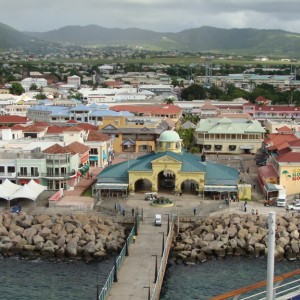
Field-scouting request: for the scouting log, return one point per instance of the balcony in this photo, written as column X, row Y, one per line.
column 27, row 175
column 58, row 175
column 8, row 174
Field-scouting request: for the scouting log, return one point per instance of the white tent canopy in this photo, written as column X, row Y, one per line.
column 7, row 189
column 10, row 191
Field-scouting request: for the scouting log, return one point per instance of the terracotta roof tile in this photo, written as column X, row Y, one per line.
column 72, row 129
column 284, row 129
column 86, row 126
column 33, row 128
column 267, row 171
column 56, row 149
column 77, row 147
column 55, row 129
column 72, row 122
column 289, row 157
column 13, row 119
column 96, row 136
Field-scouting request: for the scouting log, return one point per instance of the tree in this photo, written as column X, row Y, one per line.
column 16, row 89
column 40, row 96
column 33, row 87
column 169, row 101
column 194, row 91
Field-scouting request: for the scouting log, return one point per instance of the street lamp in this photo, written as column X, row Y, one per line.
column 155, row 272
column 148, row 287
column 163, row 243
column 168, row 228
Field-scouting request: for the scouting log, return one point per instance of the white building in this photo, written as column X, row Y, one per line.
column 28, row 82
column 74, row 80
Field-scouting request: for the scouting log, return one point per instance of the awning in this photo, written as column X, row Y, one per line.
column 270, row 187
column 220, row 188
column 247, row 147
column 111, row 186
column 93, row 158
column 84, row 169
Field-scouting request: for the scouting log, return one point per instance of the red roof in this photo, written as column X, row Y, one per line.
column 284, row 129
column 13, row 119
column 41, row 124
column 72, row 122
column 54, row 129
column 72, row 129
column 56, row 149
column 96, row 136
column 294, row 144
column 276, row 139
column 86, row 126
column 267, row 171
column 77, row 147
column 262, row 99
column 289, row 157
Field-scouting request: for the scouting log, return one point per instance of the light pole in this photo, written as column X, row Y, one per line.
column 163, row 243
column 148, row 287
column 155, row 272
column 168, row 228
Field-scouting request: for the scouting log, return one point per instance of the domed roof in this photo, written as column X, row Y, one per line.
column 169, row 136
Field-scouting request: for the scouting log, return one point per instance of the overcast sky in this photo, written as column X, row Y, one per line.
column 157, row 15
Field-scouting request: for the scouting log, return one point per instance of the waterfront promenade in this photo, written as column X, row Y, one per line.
column 137, row 273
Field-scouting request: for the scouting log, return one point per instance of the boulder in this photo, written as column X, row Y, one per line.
column 42, row 218
column 69, row 227
column 201, row 257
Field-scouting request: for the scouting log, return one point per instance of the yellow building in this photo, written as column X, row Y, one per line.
column 133, row 134
column 233, row 136
column 168, row 169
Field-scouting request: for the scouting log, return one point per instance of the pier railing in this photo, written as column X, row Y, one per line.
column 112, row 277
column 286, row 286
column 164, row 260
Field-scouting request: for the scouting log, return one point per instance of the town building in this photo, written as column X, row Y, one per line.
column 232, row 136
column 169, row 169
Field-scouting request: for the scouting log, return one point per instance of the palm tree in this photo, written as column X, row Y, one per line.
column 169, row 101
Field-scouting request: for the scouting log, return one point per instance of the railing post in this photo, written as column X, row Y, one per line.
column 115, row 271
column 126, row 248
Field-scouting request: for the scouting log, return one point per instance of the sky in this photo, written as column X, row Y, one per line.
column 156, row 15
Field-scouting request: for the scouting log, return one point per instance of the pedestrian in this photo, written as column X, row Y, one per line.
column 132, row 212
column 253, row 211
column 194, row 211
column 256, row 211
column 123, row 211
column 217, row 154
column 248, row 170
column 91, row 175
column 116, row 206
column 245, row 206
column 254, row 185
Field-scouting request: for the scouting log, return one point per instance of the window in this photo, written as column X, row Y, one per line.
column 11, row 169
column 23, row 171
column 232, row 147
column 207, row 147
column 2, row 170
column 218, row 147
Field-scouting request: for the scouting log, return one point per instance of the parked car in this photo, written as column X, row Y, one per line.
column 16, row 209
column 157, row 220
column 281, row 202
column 295, row 206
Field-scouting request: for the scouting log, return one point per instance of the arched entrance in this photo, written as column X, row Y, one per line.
column 166, row 180
column 190, row 187
column 143, row 185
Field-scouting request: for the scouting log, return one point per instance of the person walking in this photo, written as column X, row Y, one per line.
column 194, row 211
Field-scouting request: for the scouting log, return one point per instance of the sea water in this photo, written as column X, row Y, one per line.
column 215, row 277
column 42, row 279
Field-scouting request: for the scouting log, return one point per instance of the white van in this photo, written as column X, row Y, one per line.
column 281, row 202
column 157, row 220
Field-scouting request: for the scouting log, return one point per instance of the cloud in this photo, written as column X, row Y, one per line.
column 157, row 15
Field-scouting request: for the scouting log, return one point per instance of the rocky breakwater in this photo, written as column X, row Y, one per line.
column 77, row 236
column 237, row 235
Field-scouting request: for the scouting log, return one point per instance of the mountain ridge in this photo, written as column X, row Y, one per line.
column 205, row 39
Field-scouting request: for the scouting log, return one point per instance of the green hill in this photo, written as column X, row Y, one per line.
column 209, row 39
column 246, row 41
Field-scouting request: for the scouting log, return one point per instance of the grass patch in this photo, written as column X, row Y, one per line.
column 88, row 192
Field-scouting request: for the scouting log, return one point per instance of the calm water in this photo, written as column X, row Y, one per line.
column 202, row 281
column 35, row 280
column 39, row 279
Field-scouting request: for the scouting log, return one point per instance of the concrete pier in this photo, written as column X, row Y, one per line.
column 136, row 278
